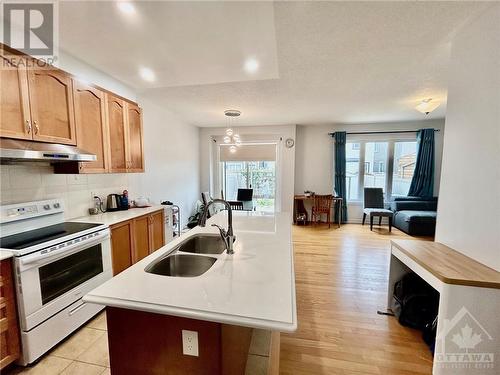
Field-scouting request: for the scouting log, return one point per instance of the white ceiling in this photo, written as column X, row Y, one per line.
column 319, row 62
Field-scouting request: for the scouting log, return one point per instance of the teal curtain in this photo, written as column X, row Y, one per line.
column 422, row 183
column 340, row 167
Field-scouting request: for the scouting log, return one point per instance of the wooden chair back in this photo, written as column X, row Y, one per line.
column 323, row 203
column 236, row 205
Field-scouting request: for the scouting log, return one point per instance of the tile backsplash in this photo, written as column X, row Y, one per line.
column 33, row 181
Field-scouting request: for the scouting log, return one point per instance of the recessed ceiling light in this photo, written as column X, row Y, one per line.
column 251, row 65
column 147, row 74
column 126, row 7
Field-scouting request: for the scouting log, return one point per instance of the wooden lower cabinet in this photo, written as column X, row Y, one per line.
column 9, row 328
column 134, row 239
column 156, row 343
column 142, row 237
column 157, row 230
column 122, row 243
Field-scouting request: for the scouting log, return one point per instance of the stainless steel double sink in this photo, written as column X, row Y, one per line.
column 181, row 263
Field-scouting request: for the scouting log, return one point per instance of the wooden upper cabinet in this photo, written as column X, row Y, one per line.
column 51, row 100
column 135, row 139
column 91, row 127
column 157, row 230
column 14, row 99
column 117, row 134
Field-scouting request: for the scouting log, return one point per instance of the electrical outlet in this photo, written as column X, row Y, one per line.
column 190, row 343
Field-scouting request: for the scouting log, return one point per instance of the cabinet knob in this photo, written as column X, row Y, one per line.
column 28, row 126
column 36, row 127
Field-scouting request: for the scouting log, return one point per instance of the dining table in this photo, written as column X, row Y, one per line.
column 299, row 207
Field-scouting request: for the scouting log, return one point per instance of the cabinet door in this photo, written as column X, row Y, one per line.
column 122, row 243
column 51, row 100
column 142, row 237
column 90, row 120
column 157, row 230
column 14, row 100
column 117, row 134
column 9, row 329
column 135, row 139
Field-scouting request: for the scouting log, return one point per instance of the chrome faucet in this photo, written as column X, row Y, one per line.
column 227, row 236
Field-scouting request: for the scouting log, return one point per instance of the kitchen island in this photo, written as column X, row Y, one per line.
column 253, row 288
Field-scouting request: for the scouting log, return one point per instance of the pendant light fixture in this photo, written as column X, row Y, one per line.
column 231, row 138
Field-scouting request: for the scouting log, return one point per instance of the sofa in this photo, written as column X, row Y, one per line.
column 415, row 215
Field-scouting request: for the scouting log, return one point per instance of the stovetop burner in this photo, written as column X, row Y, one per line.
column 37, row 236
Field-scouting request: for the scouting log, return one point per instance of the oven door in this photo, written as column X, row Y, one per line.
column 49, row 282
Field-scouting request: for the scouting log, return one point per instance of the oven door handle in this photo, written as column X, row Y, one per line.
column 66, row 250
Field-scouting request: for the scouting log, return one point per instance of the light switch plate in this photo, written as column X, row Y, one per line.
column 190, row 343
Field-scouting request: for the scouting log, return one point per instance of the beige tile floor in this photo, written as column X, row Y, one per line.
column 85, row 352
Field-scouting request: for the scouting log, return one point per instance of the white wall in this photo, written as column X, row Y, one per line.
column 468, row 219
column 285, row 162
column 314, row 163
column 172, row 158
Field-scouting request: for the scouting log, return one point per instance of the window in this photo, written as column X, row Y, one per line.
column 405, row 157
column 352, row 170
column 371, row 164
column 257, row 175
column 376, row 155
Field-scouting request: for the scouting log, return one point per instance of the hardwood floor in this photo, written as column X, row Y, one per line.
column 341, row 282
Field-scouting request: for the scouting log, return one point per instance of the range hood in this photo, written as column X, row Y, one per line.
column 21, row 150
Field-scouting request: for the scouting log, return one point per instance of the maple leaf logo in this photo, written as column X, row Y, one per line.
column 466, row 340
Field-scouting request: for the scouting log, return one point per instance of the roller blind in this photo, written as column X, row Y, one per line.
column 260, row 152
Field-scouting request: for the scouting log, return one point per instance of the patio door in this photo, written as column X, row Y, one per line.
column 250, row 167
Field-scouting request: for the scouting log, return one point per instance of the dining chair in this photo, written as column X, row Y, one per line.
column 244, row 195
column 236, row 205
column 374, row 206
column 322, row 206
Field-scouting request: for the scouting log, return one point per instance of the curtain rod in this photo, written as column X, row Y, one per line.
column 384, row 132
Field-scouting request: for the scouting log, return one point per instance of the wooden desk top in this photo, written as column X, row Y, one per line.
column 448, row 265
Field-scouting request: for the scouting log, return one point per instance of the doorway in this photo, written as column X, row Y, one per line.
column 251, row 166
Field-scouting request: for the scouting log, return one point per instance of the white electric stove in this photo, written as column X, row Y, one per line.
column 56, row 262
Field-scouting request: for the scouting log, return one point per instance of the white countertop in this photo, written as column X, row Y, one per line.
column 110, row 218
column 5, row 254
column 255, row 287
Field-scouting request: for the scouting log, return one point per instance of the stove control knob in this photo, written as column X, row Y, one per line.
column 46, row 206
column 57, row 205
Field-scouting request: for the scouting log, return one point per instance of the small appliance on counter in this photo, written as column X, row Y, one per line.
column 176, row 217
column 116, row 202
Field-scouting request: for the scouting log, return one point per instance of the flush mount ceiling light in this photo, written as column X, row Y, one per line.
column 426, row 106
column 231, row 138
column 251, row 65
column 147, row 74
column 126, row 7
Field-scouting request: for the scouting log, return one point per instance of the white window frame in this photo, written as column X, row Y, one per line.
column 391, row 141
